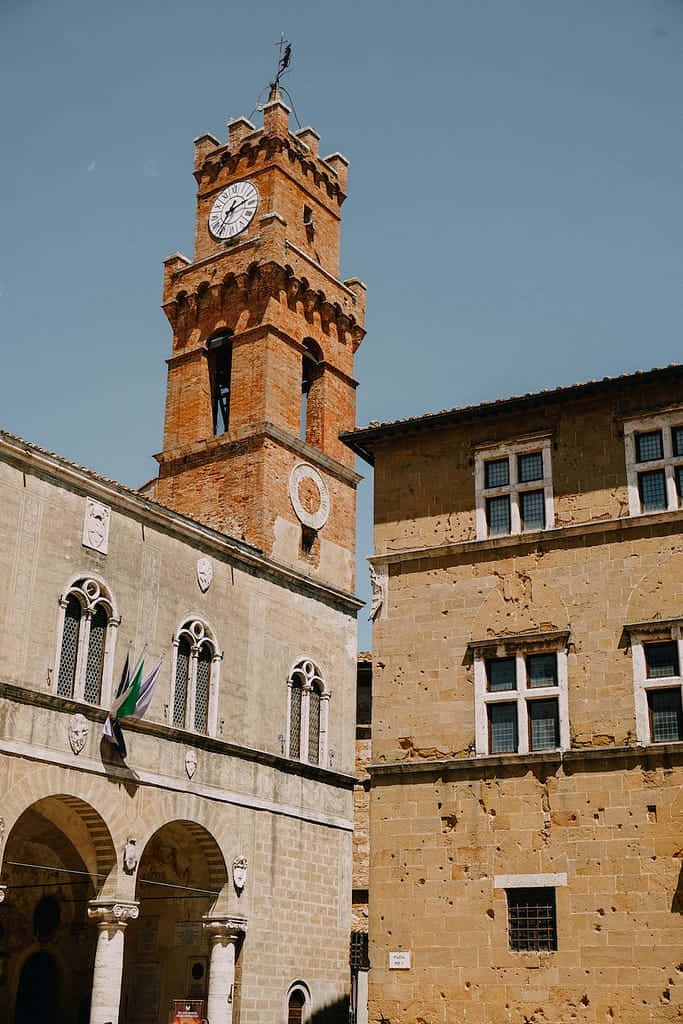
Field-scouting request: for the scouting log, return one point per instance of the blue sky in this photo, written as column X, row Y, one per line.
column 515, row 199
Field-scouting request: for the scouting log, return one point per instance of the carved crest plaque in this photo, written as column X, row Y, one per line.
column 96, row 526
column 204, row 573
column 78, row 733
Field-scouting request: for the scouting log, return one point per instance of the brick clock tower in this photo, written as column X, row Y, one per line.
column 260, row 380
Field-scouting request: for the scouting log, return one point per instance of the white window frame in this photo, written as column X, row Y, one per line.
column 94, row 592
column 519, row 647
column 664, row 422
column 511, row 450
column 640, row 634
column 312, row 676
column 197, row 632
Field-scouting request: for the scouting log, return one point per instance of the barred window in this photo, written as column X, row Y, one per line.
column 307, row 709
column 661, row 659
column 532, row 510
column 532, row 920
column 544, row 724
column 196, row 661
column 85, row 644
column 498, row 515
column 502, row 728
column 295, row 1007
column 67, row 660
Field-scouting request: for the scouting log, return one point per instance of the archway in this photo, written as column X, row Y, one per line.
column 58, row 855
column 180, row 877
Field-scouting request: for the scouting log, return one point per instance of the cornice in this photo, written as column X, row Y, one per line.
column 129, row 502
column 532, row 539
column 39, row 698
column 574, row 759
column 256, row 432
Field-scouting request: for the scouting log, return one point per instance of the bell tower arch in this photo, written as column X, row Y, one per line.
column 260, row 377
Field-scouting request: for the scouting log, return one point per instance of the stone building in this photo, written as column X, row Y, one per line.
column 526, row 801
column 214, row 862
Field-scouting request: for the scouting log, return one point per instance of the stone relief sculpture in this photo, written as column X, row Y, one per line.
column 239, row 872
column 78, row 732
column 190, row 763
column 204, row 573
column 378, row 582
column 130, row 856
column 96, row 526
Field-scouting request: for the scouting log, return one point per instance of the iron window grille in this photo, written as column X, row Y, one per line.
column 307, row 713
column 532, row 920
column 195, row 671
column 86, row 634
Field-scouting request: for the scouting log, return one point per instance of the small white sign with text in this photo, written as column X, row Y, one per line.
column 399, row 961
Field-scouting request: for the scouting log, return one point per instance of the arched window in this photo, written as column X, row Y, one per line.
column 85, row 642
column 307, row 713
column 195, row 673
column 310, row 421
column 298, row 1003
column 220, row 371
column 295, row 1007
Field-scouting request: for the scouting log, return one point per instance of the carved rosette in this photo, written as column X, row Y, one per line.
column 314, row 520
column 113, row 913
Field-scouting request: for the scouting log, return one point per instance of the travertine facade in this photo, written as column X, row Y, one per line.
column 214, row 862
column 526, row 809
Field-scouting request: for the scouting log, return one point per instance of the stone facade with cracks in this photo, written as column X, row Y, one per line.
column 526, row 805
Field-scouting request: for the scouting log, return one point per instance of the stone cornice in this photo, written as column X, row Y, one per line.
column 256, row 432
column 39, row 698
column 533, row 539
column 574, row 759
column 47, row 465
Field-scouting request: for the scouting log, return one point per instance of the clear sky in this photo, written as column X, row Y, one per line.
column 515, row 196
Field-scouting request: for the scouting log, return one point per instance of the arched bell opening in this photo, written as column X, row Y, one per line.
column 58, row 856
column 181, row 877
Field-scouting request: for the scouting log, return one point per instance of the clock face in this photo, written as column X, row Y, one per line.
column 233, row 209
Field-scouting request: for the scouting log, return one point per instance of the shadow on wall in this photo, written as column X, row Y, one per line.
column 335, row 1013
column 677, row 901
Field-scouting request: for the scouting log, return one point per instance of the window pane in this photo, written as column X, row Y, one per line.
column 665, row 715
column 295, row 719
column 532, row 509
column 544, row 724
column 497, row 473
column 661, row 660
column 541, row 669
column 649, row 446
column 500, row 674
column 503, row 728
column 677, row 440
column 182, row 669
column 67, row 658
column 201, row 693
column 314, row 727
column 498, row 515
column 532, row 922
column 679, row 481
column 95, row 663
column 530, row 467
column 652, row 487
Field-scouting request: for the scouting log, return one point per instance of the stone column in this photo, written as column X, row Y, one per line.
column 112, row 918
column 225, row 933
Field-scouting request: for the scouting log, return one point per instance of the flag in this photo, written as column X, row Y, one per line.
column 132, row 699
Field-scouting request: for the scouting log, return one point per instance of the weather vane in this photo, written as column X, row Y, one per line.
column 273, row 90
column 285, row 48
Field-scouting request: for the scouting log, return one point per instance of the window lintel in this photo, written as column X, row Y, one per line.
column 554, row 639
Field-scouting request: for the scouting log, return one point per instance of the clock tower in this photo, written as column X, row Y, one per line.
column 260, row 377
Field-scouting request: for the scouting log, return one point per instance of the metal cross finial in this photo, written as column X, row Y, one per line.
column 285, row 48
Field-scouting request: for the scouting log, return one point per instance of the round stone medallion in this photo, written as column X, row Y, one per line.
column 309, row 496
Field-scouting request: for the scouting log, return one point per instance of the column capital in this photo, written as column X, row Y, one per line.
column 113, row 912
column 225, row 926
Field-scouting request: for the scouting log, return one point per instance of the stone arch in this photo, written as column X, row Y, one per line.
column 659, row 593
column 203, row 841
column 81, row 823
column 520, row 604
